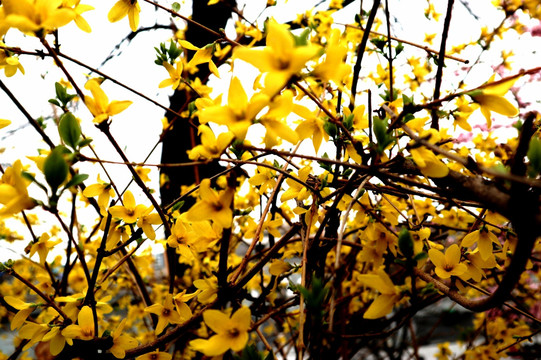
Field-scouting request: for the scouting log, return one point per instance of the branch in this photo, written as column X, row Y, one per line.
column 360, row 51
column 441, row 60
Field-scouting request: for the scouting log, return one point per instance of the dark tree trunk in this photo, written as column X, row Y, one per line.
column 183, row 134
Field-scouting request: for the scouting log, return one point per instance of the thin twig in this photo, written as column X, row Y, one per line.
column 441, row 60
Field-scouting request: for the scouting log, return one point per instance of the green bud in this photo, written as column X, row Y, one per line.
column 69, row 130
column 55, row 167
column 405, row 243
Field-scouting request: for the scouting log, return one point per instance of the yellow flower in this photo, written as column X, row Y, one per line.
column 146, row 220
column 270, row 225
column 208, row 288
column 448, row 264
column 180, row 239
column 79, row 9
column 84, row 330
column 4, row 27
column 57, row 341
column 100, row 106
column 143, row 173
column 13, row 192
column 278, row 267
column 25, row 309
column 280, row 59
column 476, row 264
column 166, row 314
column 121, row 342
column 231, row 332
column 212, row 205
column 123, row 8
column 389, row 296
column 175, row 75
column 104, row 191
column 239, row 113
column 130, row 212
column 274, row 121
column 36, row 16
column 33, row 332
column 4, row 123
column 310, row 127
column 184, row 310
column 10, row 64
column 264, row 177
column 463, row 112
column 333, row 67
column 428, row 162
column 210, row 147
column 484, row 239
column 155, row 355
column 490, row 98
column 201, row 56
column 42, row 247
column 296, row 189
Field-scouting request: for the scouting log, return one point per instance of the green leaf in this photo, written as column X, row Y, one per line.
column 76, row 180
column 331, row 129
column 380, row 131
column 60, row 91
column 323, row 164
column 31, row 177
column 407, row 118
column 177, row 206
column 84, row 142
column 534, row 154
column 69, row 130
column 399, row 48
column 518, row 125
column 55, row 102
column 55, row 167
column 379, row 43
column 302, row 39
column 407, row 100
column 175, row 6
column 237, row 148
column 348, row 121
column 347, row 173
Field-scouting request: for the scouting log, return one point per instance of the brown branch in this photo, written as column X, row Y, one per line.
column 441, row 60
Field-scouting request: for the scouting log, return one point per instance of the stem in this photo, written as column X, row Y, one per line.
column 104, row 127
column 80, row 252
column 47, row 299
column 390, row 55
column 441, row 60
column 259, row 228
column 30, row 119
column 339, row 248
column 360, row 52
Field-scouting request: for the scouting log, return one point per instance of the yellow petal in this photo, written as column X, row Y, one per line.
column 116, row 107
column 452, row 254
column 470, row 239
column 237, row 99
column 497, row 104
column 381, row 306
column 437, row 258
column 118, row 11
column 242, row 318
column 216, row 320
